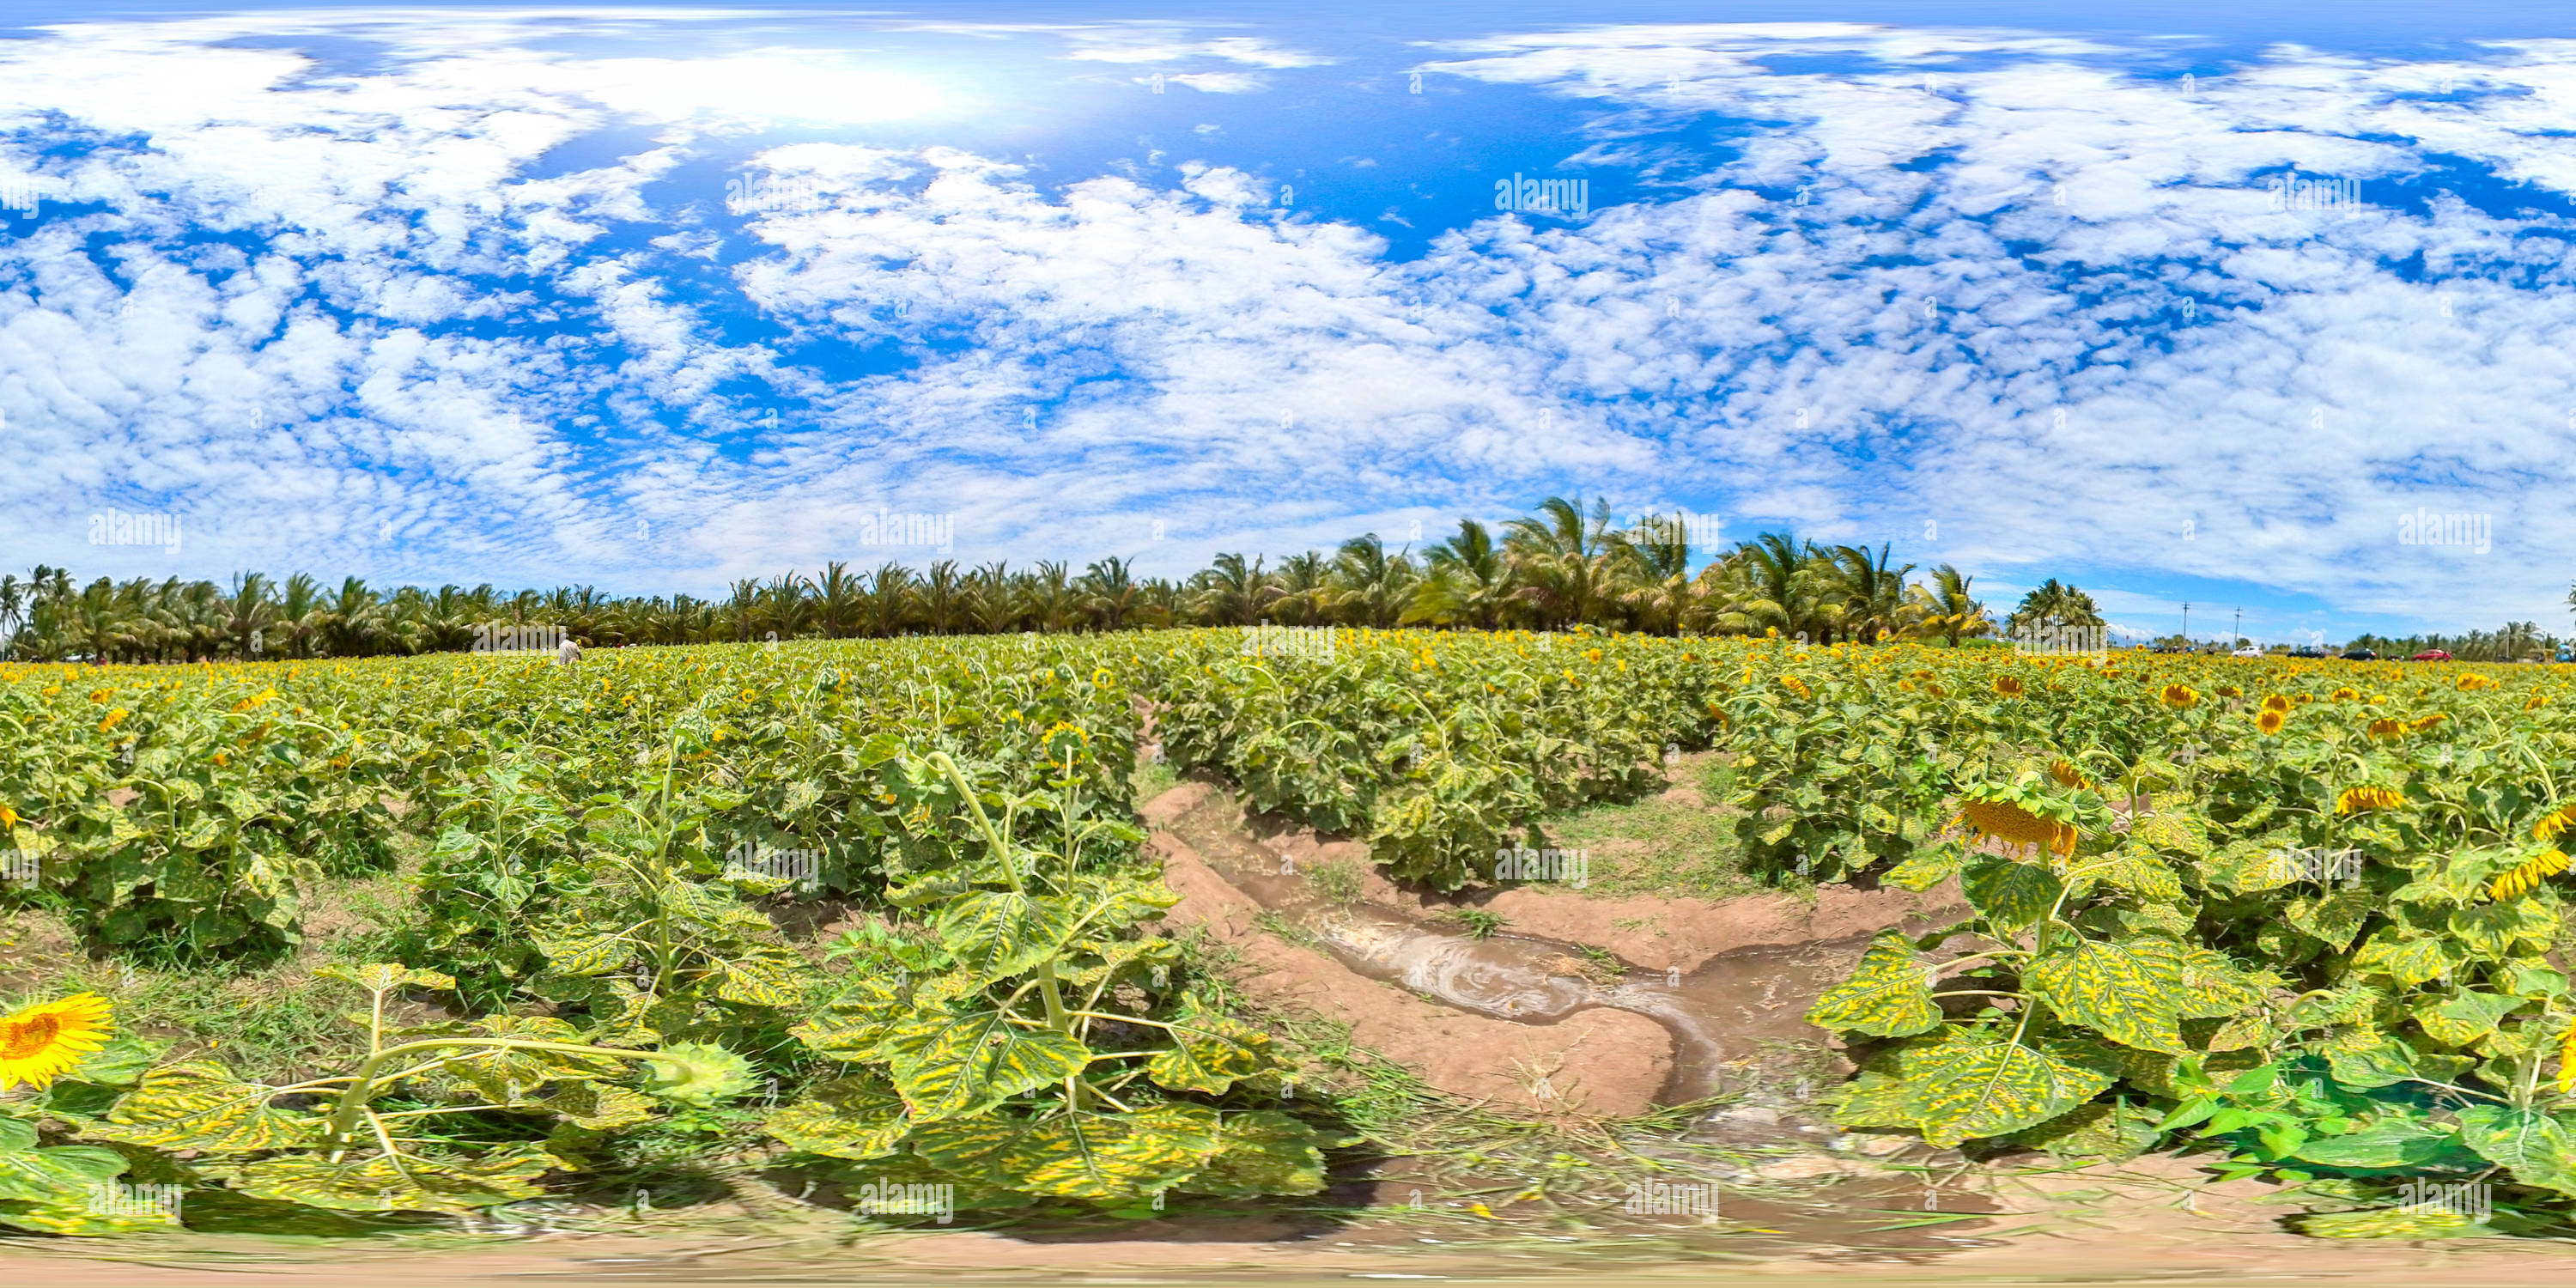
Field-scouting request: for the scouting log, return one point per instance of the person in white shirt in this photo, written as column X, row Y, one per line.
column 569, row 654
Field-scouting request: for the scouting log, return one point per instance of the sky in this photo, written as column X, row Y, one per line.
column 2256, row 308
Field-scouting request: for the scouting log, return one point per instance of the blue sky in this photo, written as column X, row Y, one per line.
column 655, row 298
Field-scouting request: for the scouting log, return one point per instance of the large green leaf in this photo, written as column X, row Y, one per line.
column 950, row 1065
column 2463, row 1019
column 2011, row 892
column 1885, row 996
column 2132, row 992
column 1209, row 1053
column 2389, row 1141
column 413, row 1183
column 1102, row 1156
column 1977, row 1082
column 2408, row 961
column 998, row 933
column 856, row 1117
column 2335, row 916
column 2493, row 929
column 1265, row 1152
column 2540, row 1149
column 200, row 1105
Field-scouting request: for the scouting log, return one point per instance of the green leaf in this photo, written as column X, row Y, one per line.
column 698, row 1073
column 2132, row 992
column 2173, row 829
column 2011, row 892
column 856, row 1117
column 2408, row 961
column 1927, row 867
column 2493, row 929
column 2389, row 1141
column 200, row 1105
column 1973, row 1083
column 384, row 977
column 950, row 1065
column 2540, row 1149
column 2465, row 1018
column 582, row 952
column 1265, row 1152
column 1885, row 995
column 2334, row 917
column 1105, row 1156
column 1209, row 1053
column 599, row 1106
column 2390, row 1223
column 763, row 977
column 999, row 933
column 414, row 1183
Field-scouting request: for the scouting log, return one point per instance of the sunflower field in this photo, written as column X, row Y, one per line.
column 2302, row 915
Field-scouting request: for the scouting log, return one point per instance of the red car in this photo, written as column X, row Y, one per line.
column 2431, row 655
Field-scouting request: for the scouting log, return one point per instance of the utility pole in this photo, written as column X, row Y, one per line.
column 2186, row 624
column 2240, row 628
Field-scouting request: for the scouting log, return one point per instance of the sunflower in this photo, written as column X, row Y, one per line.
column 40, row 1042
column 114, row 718
column 2428, row 722
column 2180, row 696
column 2013, row 825
column 8, row 817
column 2527, row 877
column 2355, row 800
column 2067, row 775
column 2270, row 721
column 2276, row 703
column 1789, row 682
column 2230, row 691
column 2345, row 694
column 2472, row 682
column 2538, row 700
column 2006, row 686
column 2386, row 728
column 2567, row 1061
column 2550, row 825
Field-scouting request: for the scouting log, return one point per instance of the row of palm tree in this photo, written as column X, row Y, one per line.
column 2514, row 642
column 1560, row 568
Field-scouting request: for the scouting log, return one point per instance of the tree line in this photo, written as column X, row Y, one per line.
column 1560, row 568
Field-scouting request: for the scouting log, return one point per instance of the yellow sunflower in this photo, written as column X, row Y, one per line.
column 2180, row 696
column 2474, row 681
column 2006, row 686
column 2067, row 775
column 2428, row 722
column 2355, row 800
column 2538, row 700
column 2551, row 824
column 2345, row 694
column 42, row 1042
column 2528, row 876
column 1789, row 682
column 2386, row 728
column 2014, row 825
column 2230, row 691
column 2270, row 721
column 114, row 718
column 2276, row 703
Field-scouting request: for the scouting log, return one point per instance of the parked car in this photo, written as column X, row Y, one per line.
column 2307, row 652
column 2431, row 655
column 2359, row 655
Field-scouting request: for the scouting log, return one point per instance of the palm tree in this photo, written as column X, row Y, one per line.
column 1109, row 592
column 1369, row 587
column 1563, row 561
column 1233, row 593
column 1873, row 592
column 839, row 598
column 2053, row 607
column 1655, row 585
column 1948, row 610
column 943, row 595
column 1469, row 582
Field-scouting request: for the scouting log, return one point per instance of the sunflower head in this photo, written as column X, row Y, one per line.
column 2427, row 722
column 2230, row 691
column 2346, row 693
column 2179, row 696
column 2276, row 703
column 2359, row 800
column 2067, row 775
column 42, row 1042
column 2386, row 729
column 2553, row 823
column 2014, row 824
column 2536, row 702
column 2527, row 877
column 2472, row 682
column 2270, row 721
column 1794, row 685
column 2007, row 686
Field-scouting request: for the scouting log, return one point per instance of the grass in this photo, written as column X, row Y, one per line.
column 1664, row 845
column 1478, row 923
column 1339, row 881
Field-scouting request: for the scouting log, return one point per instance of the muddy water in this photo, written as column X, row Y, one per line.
column 1726, row 1017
